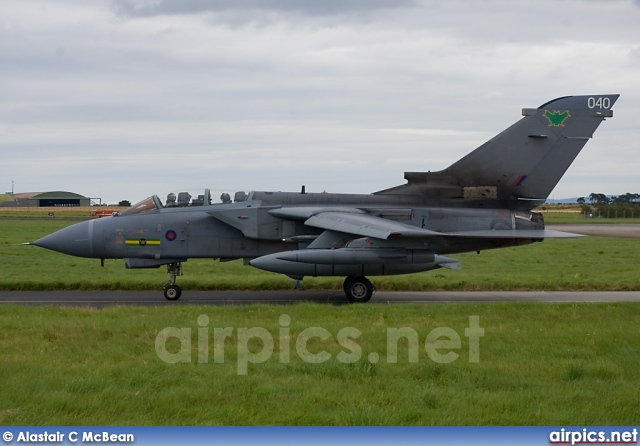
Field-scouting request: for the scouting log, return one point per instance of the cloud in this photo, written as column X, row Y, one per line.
column 342, row 96
column 322, row 8
column 634, row 55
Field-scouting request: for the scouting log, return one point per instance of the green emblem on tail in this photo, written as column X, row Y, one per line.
column 556, row 118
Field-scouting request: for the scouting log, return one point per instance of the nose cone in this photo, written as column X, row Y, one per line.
column 75, row 240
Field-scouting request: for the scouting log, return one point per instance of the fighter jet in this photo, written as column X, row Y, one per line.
column 483, row 201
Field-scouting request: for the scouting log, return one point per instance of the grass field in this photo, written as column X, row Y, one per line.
column 79, row 212
column 539, row 364
column 588, row 263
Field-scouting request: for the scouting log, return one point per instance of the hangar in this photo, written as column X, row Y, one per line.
column 48, row 199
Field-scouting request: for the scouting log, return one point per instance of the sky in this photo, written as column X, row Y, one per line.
column 122, row 99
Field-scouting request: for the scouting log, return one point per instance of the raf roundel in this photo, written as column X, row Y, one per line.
column 170, row 235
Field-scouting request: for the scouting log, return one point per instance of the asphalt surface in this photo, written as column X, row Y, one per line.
column 600, row 230
column 101, row 299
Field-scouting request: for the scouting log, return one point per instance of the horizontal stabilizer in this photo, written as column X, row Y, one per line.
column 513, row 233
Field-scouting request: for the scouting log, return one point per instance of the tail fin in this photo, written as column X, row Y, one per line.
column 528, row 159
column 524, row 161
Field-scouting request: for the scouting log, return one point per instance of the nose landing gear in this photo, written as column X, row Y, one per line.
column 171, row 290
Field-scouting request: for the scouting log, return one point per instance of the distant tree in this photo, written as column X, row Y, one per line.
column 580, row 200
column 598, row 198
column 125, row 203
column 627, row 198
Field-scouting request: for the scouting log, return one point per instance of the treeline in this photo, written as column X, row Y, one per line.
column 622, row 206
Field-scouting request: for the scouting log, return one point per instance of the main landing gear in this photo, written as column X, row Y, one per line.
column 358, row 289
column 171, row 290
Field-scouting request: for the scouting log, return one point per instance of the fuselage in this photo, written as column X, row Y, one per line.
column 151, row 233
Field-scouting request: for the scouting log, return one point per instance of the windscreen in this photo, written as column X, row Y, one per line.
column 146, row 205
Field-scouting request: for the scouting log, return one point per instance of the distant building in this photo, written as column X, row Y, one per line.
column 47, row 199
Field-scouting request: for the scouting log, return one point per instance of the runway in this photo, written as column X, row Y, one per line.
column 100, row 299
column 599, row 230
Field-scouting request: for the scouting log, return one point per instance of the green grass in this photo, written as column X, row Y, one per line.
column 540, row 364
column 587, row 263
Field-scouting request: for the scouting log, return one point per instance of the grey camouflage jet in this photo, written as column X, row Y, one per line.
column 483, row 201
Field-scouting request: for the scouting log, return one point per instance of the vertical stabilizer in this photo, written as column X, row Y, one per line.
column 525, row 161
column 528, row 159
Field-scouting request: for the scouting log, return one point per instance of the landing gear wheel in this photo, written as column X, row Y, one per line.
column 172, row 292
column 358, row 289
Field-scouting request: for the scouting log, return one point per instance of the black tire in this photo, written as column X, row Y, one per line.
column 172, row 292
column 358, row 289
column 345, row 283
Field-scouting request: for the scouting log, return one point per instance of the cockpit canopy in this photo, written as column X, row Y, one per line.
column 186, row 199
